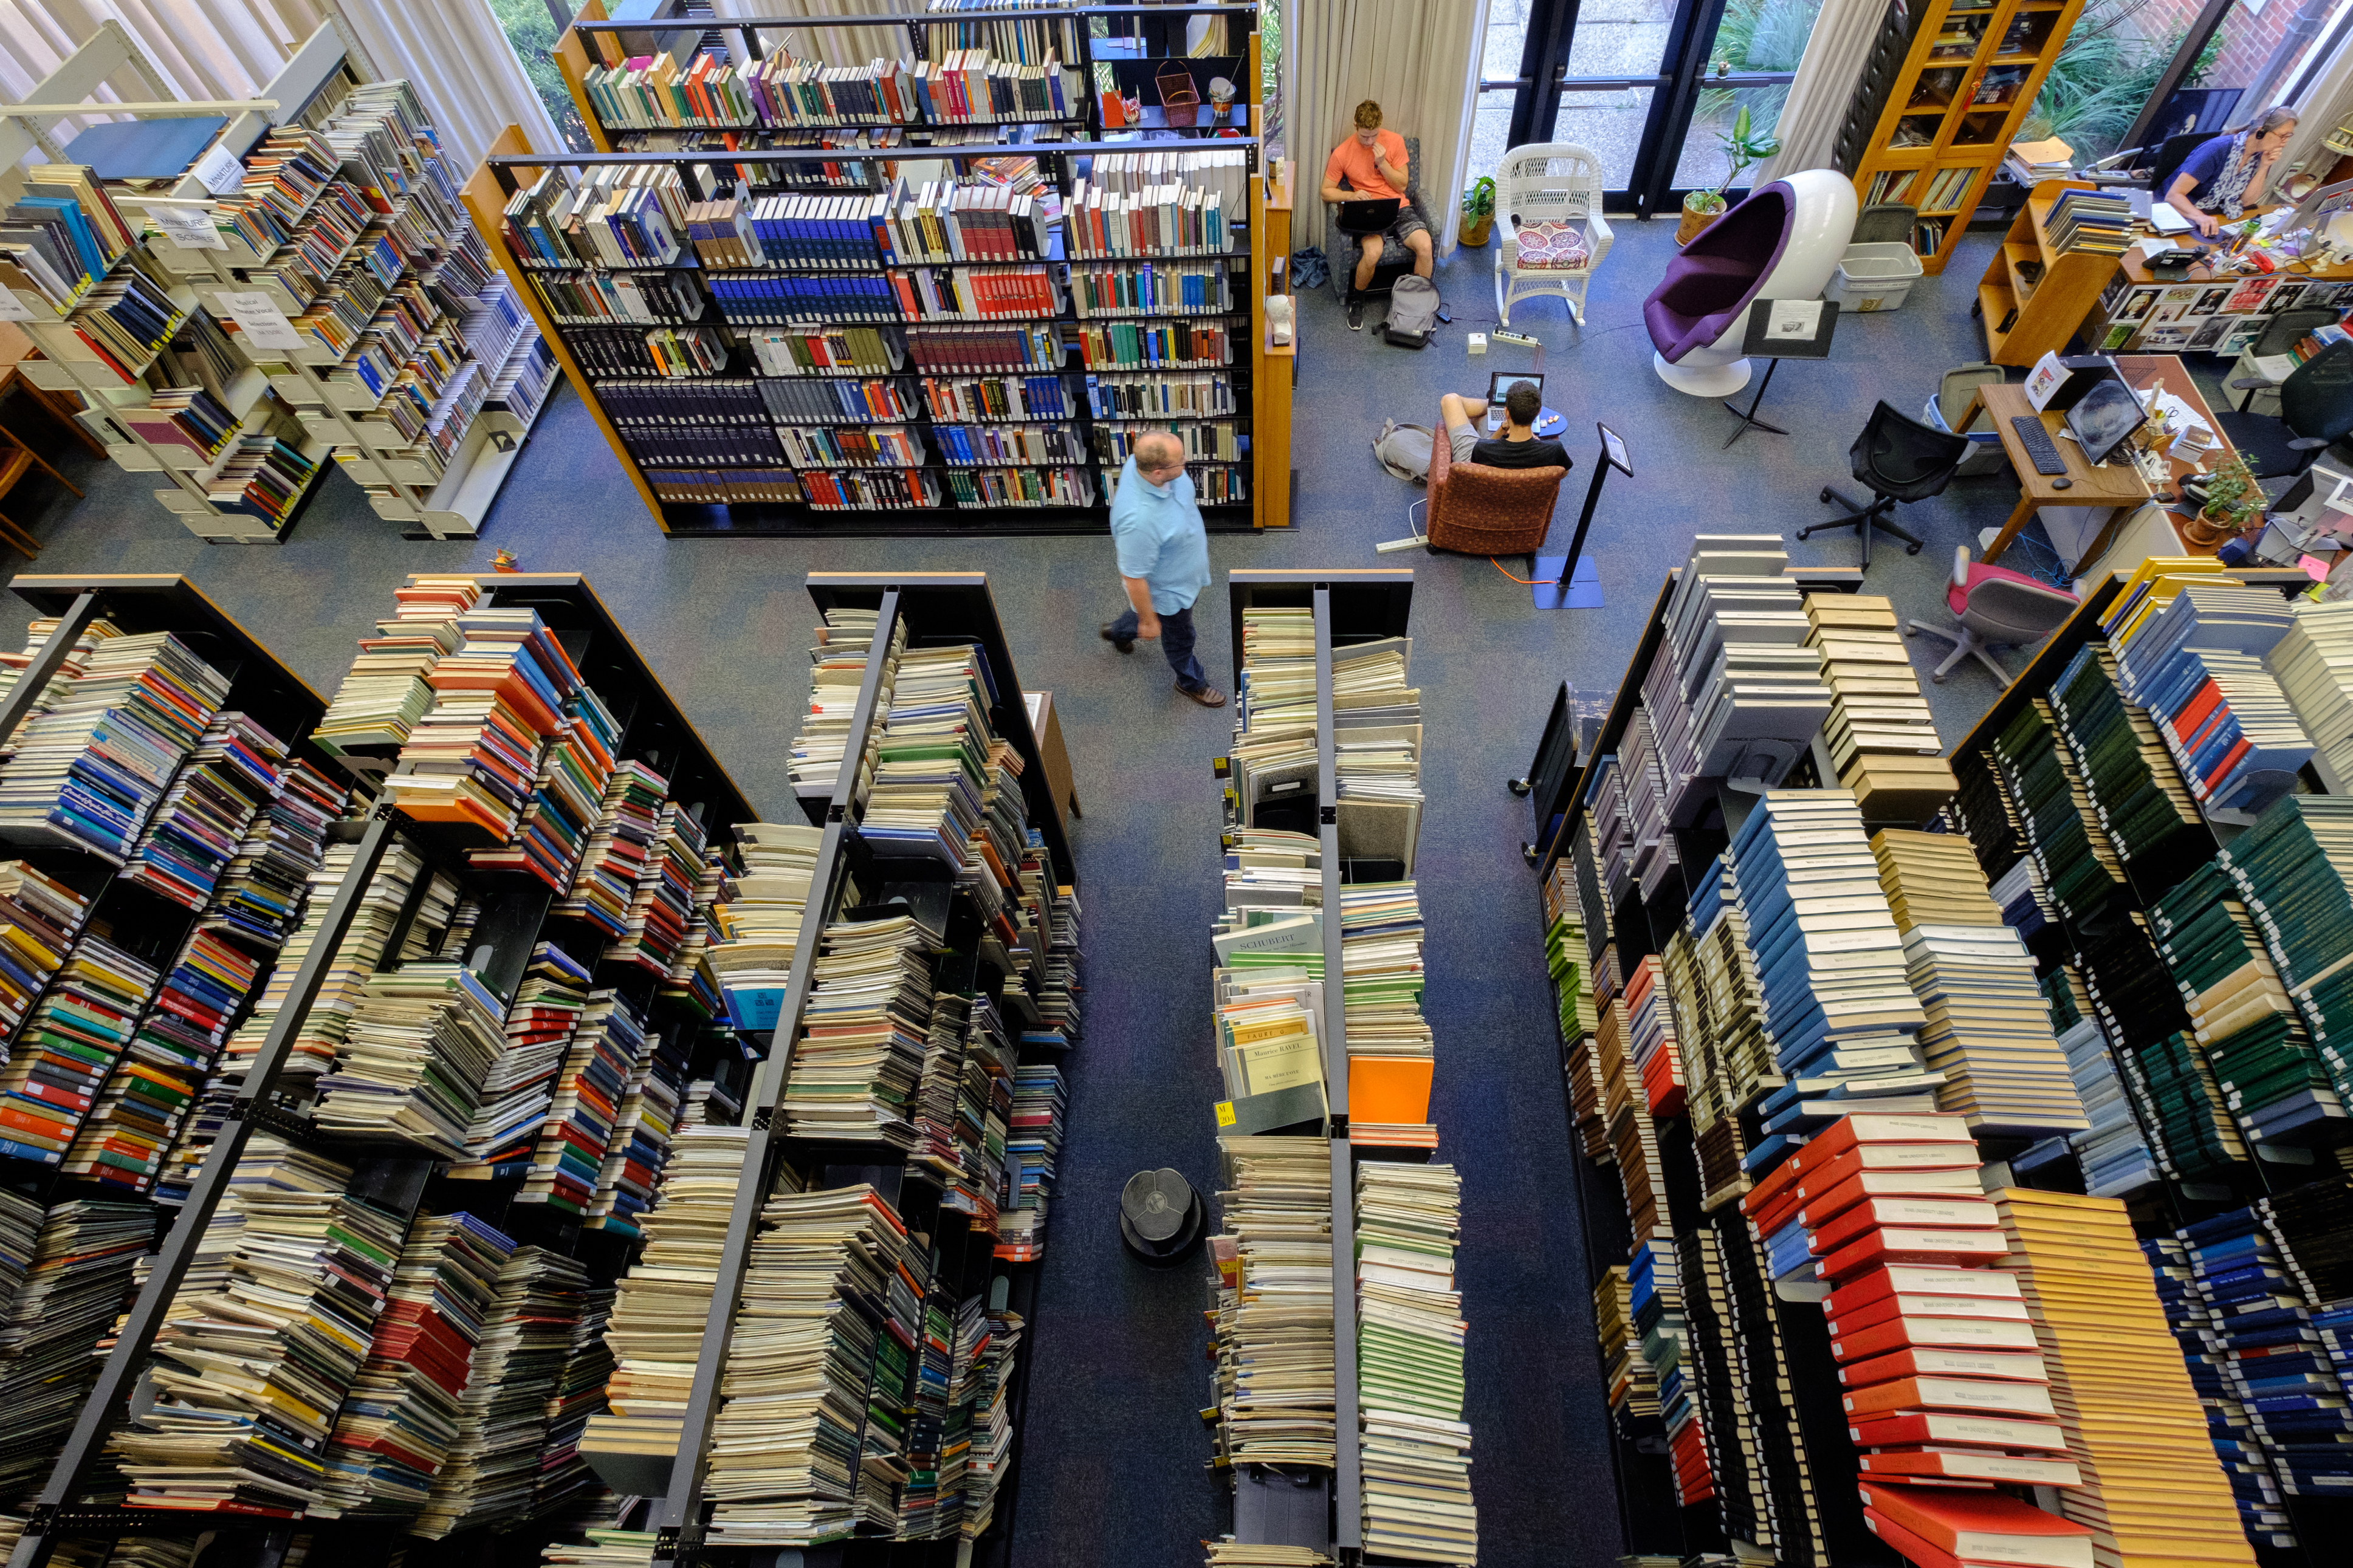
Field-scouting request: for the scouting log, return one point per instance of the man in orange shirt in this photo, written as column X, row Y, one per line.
column 1370, row 165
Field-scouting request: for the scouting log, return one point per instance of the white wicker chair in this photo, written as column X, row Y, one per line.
column 1551, row 191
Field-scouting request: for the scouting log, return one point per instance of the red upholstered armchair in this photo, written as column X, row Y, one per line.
column 1481, row 511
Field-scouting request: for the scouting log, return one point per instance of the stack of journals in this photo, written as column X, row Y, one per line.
column 838, row 657
column 2130, row 992
column 130, row 1128
column 2246, row 1465
column 529, row 1324
column 88, row 771
column 1273, row 1330
column 862, row 1048
column 2135, row 789
column 2150, row 1489
column 2085, row 220
column 1751, row 685
column 662, row 908
column 521, row 1085
column 1566, row 954
column 76, row 1273
column 199, row 826
column 39, row 917
column 260, row 893
column 1614, row 844
column 564, row 1482
column 67, row 1047
column 411, row 1065
column 566, row 793
column 2055, row 815
column 2290, row 870
column 607, row 1050
column 2197, row 664
column 401, row 1412
column 758, row 918
column 637, row 1147
column 2313, row 662
column 1416, row 1447
column 1831, row 964
column 63, row 234
column 210, row 1443
column 1716, row 1451
column 1033, row 1142
column 1643, row 776
column 781, row 1443
column 1790, row 1524
column 1727, row 1022
column 384, row 692
column 1881, row 740
column 1392, row 1054
column 185, row 417
column 2112, row 1151
column 2190, row 1132
column 1989, row 1027
column 472, row 759
column 1632, row 1381
column 664, row 1300
column 1653, row 1054
column 2274, row 1082
column 621, row 843
column 1655, row 1304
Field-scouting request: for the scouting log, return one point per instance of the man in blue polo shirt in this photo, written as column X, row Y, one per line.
column 1164, row 560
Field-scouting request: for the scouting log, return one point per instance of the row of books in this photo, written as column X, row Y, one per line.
column 1929, row 190
column 966, row 86
column 61, row 236
column 2086, row 220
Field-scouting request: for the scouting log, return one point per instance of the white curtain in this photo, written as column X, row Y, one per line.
column 463, row 69
column 2328, row 100
column 202, row 48
column 834, row 45
column 1827, row 73
column 1418, row 60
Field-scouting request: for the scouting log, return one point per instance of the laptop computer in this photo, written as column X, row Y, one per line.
column 1368, row 217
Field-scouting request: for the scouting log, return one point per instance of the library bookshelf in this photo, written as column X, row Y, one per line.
column 1954, row 108
column 924, row 463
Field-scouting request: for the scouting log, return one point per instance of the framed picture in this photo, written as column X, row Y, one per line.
column 2209, row 301
column 2249, row 295
column 2136, row 309
column 2165, row 337
column 2241, row 337
column 2174, row 304
column 2210, row 335
column 2283, row 298
column 2117, row 337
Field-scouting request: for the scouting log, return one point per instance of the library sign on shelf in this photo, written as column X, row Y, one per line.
column 265, row 326
column 190, row 228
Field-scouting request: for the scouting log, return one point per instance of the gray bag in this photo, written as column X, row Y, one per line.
column 1413, row 313
column 1404, row 450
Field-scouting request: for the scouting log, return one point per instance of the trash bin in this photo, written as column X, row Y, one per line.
column 1873, row 277
column 1944, row 405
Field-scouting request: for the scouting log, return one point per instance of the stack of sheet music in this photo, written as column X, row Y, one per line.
column 962, row 1105
column 1033, row 1142
column 252, row 1443
column 838, row 657
column 930, row 761
column 39, row 917
column 1058, row 917
column 473, row 758
column 1270, row 1024
column 1272, row 761
column 1881, row 737
column 402, row 1413
column 1735, row 638
column 1273, row 1327
column 493, row 1468
column 411, row 1066
column 807, row 1366
column 565, row 1483
column 663, row 906
column 89, row 771
column 200, row 824
column 263, row 889
column 131, row 1127
column 621, row 841
column 608, row 1048
column 76, row 1265
column 386, row 691
column 981, row 1410
column 77, row 658
column 1392, row 1055
column 1376, row 752
column 764, row 900
column 637, row 1147
column 521, row 1085
column 67, row 1047
column 574, row 764
column 1416, row 1450
column 862, row 1048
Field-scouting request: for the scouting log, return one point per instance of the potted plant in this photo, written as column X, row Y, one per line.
column 1478, row 212
column 2229, row 499
column 1742, row 147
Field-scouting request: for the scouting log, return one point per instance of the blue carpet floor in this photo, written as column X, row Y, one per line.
column 1113, row 1461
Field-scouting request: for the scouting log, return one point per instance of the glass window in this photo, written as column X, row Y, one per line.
column 1756, row 37
column 533, row 28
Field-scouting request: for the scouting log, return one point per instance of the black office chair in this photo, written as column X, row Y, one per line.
column 2286, row 329
column 2316, row 409
column 2171, row 154
column 1902, row 460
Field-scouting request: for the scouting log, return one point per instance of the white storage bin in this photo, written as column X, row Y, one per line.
column 1873, row 277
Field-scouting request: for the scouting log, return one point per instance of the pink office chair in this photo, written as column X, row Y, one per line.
column 1999, row 608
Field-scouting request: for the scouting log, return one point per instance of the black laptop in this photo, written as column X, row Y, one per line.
column 1369, row 217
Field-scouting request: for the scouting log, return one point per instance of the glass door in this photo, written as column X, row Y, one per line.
column 1638, row 82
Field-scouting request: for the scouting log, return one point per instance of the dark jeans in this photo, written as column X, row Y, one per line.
column 1176, row 641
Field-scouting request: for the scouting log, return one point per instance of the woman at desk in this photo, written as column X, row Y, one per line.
column 2227, row 175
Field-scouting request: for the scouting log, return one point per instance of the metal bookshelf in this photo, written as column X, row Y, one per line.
column 686, row 499
column 1274, row 1507
column 516, row 916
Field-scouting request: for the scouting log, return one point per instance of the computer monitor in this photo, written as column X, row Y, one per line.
column 1502, row 381
column 2104, row 419
column 2319, row 206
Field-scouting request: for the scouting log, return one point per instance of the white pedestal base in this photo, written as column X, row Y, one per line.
column 1702, row 380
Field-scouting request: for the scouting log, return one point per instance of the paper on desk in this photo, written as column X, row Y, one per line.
column 1799, row 319
column 2273, row 368
column 2162, row 217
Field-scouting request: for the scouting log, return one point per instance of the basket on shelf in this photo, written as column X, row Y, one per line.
column 1180, row 100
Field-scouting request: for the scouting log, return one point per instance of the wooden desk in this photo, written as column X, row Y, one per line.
column 2119, row 485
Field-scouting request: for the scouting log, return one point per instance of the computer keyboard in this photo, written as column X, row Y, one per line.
column 2039, row 444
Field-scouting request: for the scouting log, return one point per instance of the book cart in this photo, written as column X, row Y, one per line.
column 719, row 495
column 515, row 916
column 1303, row 1507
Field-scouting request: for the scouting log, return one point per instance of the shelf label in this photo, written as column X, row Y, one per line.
column 1225, row 1110
column 190, row 228
column 265, row 326
column 221, row 173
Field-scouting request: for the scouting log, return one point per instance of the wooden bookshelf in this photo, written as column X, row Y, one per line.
column 2034, row 296
column 1955, row 107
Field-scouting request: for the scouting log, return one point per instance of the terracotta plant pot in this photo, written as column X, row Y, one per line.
column 1694, row 221
column 2206, row 533
column 1475, row 235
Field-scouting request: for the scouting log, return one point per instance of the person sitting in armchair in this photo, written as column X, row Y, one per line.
column 1371, row 166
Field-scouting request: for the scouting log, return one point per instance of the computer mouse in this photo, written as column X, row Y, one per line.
column 2062, row 483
